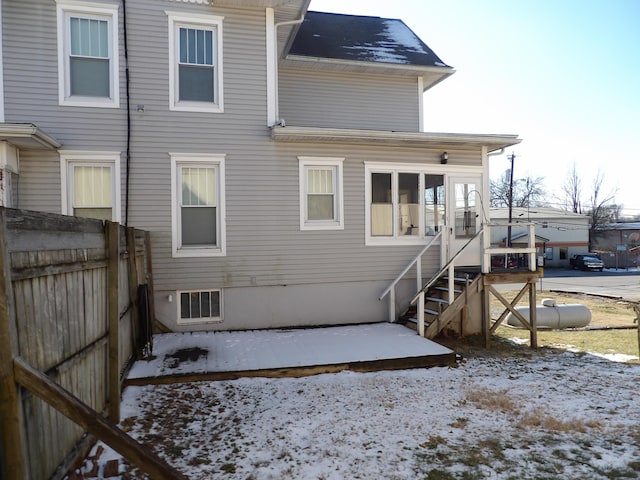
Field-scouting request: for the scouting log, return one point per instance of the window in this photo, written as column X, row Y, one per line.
column 563, row 253
column 434, row 200
column 199, row 307
column 91, row 184
column 403, row 205
column 548, row 253
column 197, row 198
column 88, row 69
column 321, row 205
column 195, row 63
column 466, row 210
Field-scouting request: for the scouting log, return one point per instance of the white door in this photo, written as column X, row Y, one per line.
column 464, row 219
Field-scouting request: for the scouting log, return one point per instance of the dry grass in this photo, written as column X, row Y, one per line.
column 605, row 312
column 539, row 418
column 499, row 400
column 506, row 403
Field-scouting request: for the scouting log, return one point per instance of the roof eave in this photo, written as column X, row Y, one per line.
column 358, row 66
column 27, row 136
column 335, row 135
column 246, row 3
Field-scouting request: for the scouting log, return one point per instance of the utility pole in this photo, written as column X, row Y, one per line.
column 512, row 158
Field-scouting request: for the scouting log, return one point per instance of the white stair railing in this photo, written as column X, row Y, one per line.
column 391, row 289
column 449, row 267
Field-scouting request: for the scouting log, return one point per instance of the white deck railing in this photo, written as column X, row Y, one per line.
column 529, row 250
column 488, row 251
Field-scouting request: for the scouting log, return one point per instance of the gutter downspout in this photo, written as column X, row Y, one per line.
column 1, row 70
column 494, row 153
column 128, row 154
column 275, row 115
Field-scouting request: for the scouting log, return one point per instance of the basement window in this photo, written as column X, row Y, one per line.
column 200, row 306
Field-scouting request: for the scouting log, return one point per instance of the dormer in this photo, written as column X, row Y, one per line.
column 349, row 71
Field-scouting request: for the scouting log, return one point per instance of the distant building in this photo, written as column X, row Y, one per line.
column 559, row 233
column 618, row 244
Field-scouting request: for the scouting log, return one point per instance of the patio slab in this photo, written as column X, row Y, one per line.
column 187, row 357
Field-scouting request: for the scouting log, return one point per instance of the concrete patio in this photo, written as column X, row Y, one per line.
column 188, row 357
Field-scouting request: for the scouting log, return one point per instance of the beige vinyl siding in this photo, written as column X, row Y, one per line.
column 315, row 98
column 37, row 187
column 31, row 81
column 265, row 246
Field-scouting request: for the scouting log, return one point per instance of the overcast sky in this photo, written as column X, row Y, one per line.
column 562, row 74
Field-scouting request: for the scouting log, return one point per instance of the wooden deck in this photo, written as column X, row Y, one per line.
column 208, row 356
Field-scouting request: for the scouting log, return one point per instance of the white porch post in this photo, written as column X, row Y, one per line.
column 392, row 305
column 420, row 308
column 451, row 285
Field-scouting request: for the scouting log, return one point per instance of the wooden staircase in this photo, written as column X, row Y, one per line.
column 439, row 310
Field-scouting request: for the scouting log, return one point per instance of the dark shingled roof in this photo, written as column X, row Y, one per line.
column 364, row 39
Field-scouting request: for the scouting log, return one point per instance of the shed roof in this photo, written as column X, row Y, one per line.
column 361, row 38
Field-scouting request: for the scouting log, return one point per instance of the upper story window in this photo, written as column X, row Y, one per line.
column 90, row 184
column 198, row 219
column 195, row 63
column 321, row 204
column 88, row 69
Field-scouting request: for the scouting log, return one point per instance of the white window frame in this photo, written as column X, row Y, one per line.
column 214, row 22
column 195, row 320
column 179, row 160
column 69, row 159
column 395, row 169
column 335, row 164
column 101, row 11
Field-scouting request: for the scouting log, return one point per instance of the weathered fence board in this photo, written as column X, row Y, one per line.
column 57, row 277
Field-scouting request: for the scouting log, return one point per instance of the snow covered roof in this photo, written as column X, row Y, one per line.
column 363, row 39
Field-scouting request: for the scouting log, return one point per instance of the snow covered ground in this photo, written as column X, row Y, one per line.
column 281, row 348
column 528, row 415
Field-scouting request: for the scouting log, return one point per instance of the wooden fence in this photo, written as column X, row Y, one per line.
column 68, row 289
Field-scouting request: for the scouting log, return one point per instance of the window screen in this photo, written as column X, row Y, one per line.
column 92, row 191
column 198, row 206
column 196, row 65
column 381, row 205
column 89, row 57
column 203, row 305
column 320, row 194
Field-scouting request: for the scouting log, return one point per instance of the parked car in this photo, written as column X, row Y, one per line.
column 504, row 261
column 586, row 261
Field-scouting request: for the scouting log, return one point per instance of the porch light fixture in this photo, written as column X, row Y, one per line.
column 444, row 158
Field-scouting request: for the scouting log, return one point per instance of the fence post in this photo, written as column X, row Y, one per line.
column 12, row 448
column 112, row 234
column 533, row 314
column 133, row 289
column 149, row 265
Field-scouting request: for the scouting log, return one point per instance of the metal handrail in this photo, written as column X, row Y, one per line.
column 440, row 272
column 408, row 267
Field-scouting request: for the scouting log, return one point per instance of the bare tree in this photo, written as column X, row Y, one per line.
column 602, row 207
column 527, row 192
column 572, row 190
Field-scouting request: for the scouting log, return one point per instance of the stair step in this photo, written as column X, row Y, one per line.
column 446, row 289
column 414, row 321
column 436, row 300
column 458, row 280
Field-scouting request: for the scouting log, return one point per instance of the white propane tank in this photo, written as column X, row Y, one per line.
column 553, row 316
